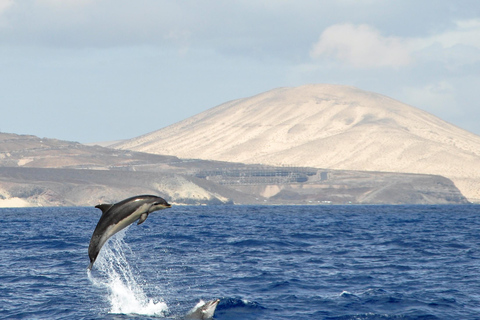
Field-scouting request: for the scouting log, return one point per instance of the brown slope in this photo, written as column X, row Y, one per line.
column 326, row 126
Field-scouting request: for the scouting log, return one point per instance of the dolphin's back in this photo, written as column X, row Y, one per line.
column 112, row 213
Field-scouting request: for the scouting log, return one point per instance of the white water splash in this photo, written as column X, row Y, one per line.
column 126, row 296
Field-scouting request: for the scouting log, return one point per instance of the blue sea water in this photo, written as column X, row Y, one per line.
column 263, row 262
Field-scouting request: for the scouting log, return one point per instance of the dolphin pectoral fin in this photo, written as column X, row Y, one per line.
column 142, row 219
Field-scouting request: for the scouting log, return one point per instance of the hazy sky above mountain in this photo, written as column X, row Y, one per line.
column 99, row 70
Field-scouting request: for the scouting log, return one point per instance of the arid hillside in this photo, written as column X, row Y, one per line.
column 34, row 152
column 324, row 126
column 50, row 172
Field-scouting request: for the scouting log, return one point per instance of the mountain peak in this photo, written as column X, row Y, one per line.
column 324, row 126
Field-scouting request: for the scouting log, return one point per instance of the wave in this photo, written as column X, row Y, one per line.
column 125, row 292
column 238, row 308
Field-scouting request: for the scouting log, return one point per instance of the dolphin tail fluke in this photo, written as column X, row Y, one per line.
column 90, row 266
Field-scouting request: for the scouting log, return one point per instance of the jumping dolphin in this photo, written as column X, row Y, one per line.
column 203, row 310
column 117, row 216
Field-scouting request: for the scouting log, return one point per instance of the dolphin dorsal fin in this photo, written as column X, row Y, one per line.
column 104, row 207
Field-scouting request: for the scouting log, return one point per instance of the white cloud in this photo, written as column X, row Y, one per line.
column 5, row 4
column 456, row 50
column 63, row 3
column 362, row 46
column 467, row 32
column 97, row 24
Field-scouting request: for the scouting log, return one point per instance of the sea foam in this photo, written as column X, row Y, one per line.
column 113, row 272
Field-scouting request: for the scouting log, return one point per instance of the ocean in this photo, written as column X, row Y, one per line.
column 262, row 262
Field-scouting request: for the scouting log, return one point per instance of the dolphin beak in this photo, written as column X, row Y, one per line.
column 166, row 204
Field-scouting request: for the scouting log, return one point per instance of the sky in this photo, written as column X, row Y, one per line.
column 103, row 70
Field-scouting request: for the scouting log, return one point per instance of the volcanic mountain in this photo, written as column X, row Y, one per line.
column 324, row 126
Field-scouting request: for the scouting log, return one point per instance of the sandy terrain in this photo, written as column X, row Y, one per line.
column 14, row 203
